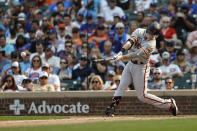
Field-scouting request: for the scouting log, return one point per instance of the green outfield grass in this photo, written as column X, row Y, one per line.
column 133, row 125
column 9, row 118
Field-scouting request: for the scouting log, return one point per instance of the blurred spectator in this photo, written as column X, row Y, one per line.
column 120, row 34
column 61, row 34
column 25, row 62
column 124, row 4
column 140, row 17
column 116, row 44
column 53, row 39
column 7, row 48
column 21, row 43
column 76, row 40
column 108, row 53
column 9, row 85
column 15, row 56
column 178, row 45
column 50, row 58
column 152, row 11
column 16, row 69
column 53, row 79
column 92, row 6
column 39, row 50
column 98, row 36
column 142, row 5
column 157, row 80
column 33, row 72
column 3, row 60
column 169, row 70
column 169, row 84
column 79, row 20
column 182, row 22
column 99, row 68
column 67, row 50
column 153, row 65
column 67, row 4
column 89, row 26
column 84, row 49
column 115, row 21
column 64, row 72
column 182, row 62
column 109, row 80
column 12, row 38
column 193, row 54
column 68, row 25
column 120, row 68
column 32, row 40
column 96, row 83
column 168, row 32
column 43, row 83
column 170, row 49
column 124, row 20
column 133, row 26
column 100, row 19
column 111, row 10
column 146, row 22
column 190, row 38
column 116, row 82
column 27, row 85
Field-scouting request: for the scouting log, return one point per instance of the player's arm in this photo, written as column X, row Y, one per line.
column 129, row 43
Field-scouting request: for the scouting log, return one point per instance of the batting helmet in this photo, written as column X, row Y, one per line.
column 153, row 29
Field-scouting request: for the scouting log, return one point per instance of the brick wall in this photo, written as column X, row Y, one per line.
column 90, row 103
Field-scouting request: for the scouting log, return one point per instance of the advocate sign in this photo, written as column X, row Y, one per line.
column 45, row 108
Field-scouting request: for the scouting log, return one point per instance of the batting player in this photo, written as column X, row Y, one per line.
column 140, row 46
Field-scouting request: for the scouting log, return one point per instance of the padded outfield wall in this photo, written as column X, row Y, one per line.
column 90, row 103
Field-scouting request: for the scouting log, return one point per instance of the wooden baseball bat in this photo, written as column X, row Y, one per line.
column 104, row 60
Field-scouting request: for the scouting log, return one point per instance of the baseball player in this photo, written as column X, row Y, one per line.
column 140, row 46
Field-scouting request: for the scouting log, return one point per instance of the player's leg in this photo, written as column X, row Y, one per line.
column 125, row 81
column 140, row 75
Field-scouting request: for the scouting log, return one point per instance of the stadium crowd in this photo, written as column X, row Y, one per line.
column 46, row 45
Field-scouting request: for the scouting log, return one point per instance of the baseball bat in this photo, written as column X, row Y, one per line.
column 104, row 60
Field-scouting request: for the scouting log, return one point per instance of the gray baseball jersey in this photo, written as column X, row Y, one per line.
column 148, row 46
column 138, row 73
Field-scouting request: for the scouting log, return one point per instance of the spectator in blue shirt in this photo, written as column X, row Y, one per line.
column 7, row 48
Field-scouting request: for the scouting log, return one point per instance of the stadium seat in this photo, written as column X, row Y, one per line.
column 70, row 85
column 184, row 82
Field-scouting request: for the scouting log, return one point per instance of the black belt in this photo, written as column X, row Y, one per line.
column 137, row 62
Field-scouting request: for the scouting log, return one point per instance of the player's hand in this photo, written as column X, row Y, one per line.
column 118, row 58
column 118, row 55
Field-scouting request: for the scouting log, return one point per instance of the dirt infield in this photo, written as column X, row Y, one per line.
column 74, row 120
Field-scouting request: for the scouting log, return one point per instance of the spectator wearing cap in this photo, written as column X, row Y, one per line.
column 183, row 22
column 116, row 45
column 38, row 16
column 193, row 54
column 27, row 84
column 82, row 70
column 15, row 56
column 61, row 34
column 190, row 38
column 76, row 40
column 64, row 72
column 121, row 35
column 169, row 70
column 50, row 58
column 112, row 9
column 100, row 18
column 115, row 21
column 182, row 62
column 98, row 68
column 152, row 11
column 168, row 32
column 119, row 68
column 53, row 79
column 43, row 85
column 18, row 76
column 36, row 67
column 124, row 20
column 79, row 20
column 92, row 6
column 53, row 39
column 99, row 36
column 170, row 48
column 89, row 26
column 3, row 60
column 23, row 20
column 108, row 53
column 3, row 46
column 109, row 80
column 178, row 45
column 157, row 80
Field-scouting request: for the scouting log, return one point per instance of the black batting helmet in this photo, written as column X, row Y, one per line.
column 153, row 29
